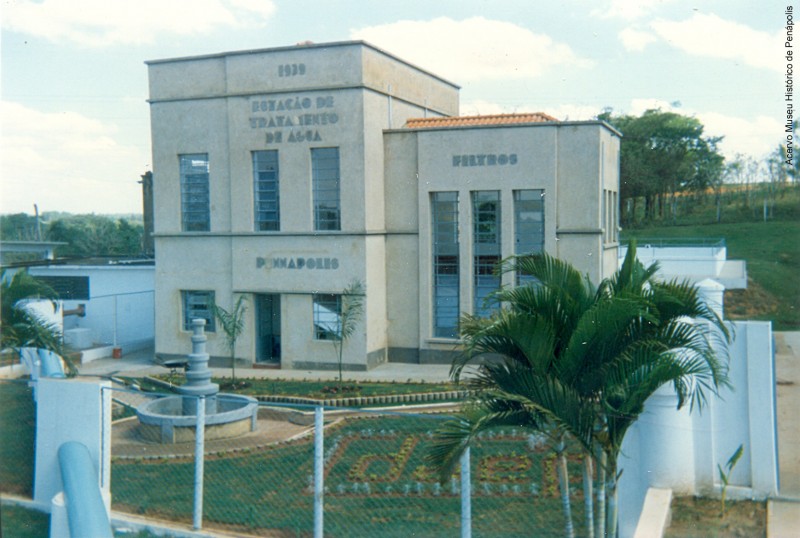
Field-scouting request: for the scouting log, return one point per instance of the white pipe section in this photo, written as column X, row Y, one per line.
column 199, row 460
column 319, row 471
column 466, row 496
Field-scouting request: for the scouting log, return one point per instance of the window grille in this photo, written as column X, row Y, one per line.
column 528, row 224
column 195, row 199
column 446, row 308
column 486, row 248
column 327, row 316
column 326, row 186
column 198, row 305
column 266, row 191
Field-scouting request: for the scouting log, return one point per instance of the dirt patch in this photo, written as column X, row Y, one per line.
column 695, row 517
column 753, row 302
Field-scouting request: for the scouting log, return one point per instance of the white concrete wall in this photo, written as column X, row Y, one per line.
column 693, row 262
column 77, row 409
column 681, row 450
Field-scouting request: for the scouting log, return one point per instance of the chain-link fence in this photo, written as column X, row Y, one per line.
column 18, row 432
column 374, row 479
column 370, row 475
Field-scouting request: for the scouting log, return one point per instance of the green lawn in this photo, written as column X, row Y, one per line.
column 18, row 522
column 377, row 485
column 17, row 430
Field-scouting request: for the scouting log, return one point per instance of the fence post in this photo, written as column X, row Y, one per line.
column 199, row 460
column 319, row 470
column 466, row 496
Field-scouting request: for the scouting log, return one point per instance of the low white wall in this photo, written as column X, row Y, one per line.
column 680, row 450
column 694, row 262
column 76, row 409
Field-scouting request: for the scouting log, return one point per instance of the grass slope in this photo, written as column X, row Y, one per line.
column 772, row 252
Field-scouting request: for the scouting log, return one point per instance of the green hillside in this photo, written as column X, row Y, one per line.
column 772, row 252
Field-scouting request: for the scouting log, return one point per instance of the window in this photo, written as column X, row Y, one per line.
column 195, row 204
column 327, row 316
column 610, row 225
column 485, row 248
column 325, row 184
column 265, row 190
column 198, row 305
column 528, row 224
column 68, row 288
column 446, row 308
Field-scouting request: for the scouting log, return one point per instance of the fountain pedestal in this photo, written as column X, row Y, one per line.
column 173, row 419
column 198, row 375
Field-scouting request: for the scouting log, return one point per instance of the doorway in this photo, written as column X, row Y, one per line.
column 268, row 345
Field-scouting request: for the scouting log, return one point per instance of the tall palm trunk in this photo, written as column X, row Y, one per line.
column 601, row 495
column 611, row 516
column 563, row 485
column 588, row 494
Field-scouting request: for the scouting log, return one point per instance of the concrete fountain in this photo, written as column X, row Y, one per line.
column 172, row 419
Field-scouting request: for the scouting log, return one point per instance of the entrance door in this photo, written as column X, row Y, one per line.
column 269, row 328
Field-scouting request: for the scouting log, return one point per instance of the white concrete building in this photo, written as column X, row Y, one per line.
column 103, row 306
column 284, row 174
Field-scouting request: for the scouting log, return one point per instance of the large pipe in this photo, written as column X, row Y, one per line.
column 80, row 311
column 85, row 508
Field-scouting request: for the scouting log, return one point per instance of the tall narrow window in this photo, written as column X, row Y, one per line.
column 528, row 224
column 444, row 213
column 198, row 305
column 325, row 183
column 195, row 201
column 485, row 248
column 265, row 189
column 610, row 217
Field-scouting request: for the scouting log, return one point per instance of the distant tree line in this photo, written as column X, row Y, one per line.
column 84, row 235
column 668, row 166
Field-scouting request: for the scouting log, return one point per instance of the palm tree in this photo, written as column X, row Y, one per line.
column 681, row 341
column 19, row 327
column 581, row 360
column 524, row 387
column 351, row 313
column 232, row 323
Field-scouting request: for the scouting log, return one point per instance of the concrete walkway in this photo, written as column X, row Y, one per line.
column 783, row 514
column 143, row 363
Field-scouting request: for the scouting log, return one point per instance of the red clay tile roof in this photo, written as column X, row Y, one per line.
column 468, row 121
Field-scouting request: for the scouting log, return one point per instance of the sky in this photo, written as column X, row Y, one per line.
column 74, row 118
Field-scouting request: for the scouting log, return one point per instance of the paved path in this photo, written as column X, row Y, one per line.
column 271, row 428
column 142, row 363
column 783, row 515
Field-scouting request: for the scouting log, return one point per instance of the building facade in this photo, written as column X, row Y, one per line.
column 287, row 174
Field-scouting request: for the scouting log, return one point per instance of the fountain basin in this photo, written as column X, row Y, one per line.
column 163, row 420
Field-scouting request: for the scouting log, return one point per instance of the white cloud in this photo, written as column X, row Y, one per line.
column 636, row 40
column 628, row 9
column 97, row 23
column 66, row 162
column 714, row 37
column 471, row 49
column 479, row 107
column 561, row 112
column 755, row 137
column 748, row 136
